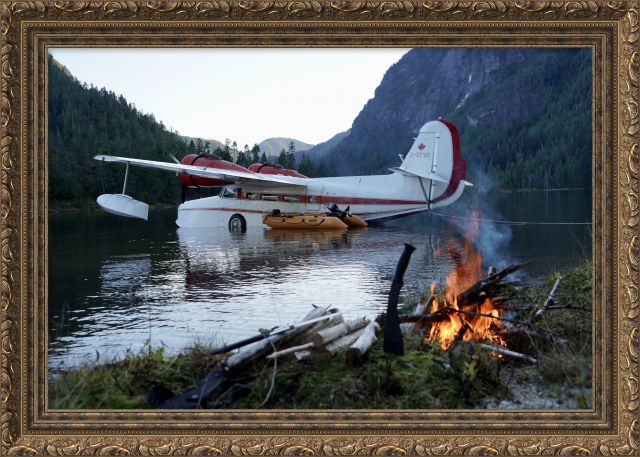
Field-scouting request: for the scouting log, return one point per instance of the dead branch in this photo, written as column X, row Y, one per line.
column 483, row 288
column 507, row 352
column 548, row 302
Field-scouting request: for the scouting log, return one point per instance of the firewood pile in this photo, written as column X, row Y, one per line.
column 488, row 313
column 332, row 335
column 321, row 333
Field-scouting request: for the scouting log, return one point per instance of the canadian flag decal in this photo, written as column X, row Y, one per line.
column 421, row 146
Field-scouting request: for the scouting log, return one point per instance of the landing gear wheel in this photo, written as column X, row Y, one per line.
column 237, row 224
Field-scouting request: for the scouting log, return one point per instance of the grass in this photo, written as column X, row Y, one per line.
column 568, row 364
column 126, row 383
column 425, row 377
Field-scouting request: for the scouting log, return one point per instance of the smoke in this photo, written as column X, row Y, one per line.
column 477, row 220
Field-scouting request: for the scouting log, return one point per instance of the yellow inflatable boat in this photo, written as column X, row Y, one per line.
column 354, row 221
column 304, row 221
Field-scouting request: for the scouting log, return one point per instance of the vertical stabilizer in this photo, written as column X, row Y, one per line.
column 435, row 156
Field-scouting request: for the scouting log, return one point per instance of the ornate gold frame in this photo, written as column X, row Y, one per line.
column 28, row 28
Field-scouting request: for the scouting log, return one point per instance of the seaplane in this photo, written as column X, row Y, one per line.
column 431, row 175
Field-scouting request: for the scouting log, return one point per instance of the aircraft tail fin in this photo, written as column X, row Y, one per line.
column 435, row 155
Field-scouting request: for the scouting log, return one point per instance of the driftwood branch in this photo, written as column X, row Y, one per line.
column 329, row 334
column 342, row 343
column 537, row 315
column 248, row 354
column 302, row 347
column 507, row 352
column 362, row 344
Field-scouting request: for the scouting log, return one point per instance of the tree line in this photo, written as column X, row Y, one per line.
column 84, row 121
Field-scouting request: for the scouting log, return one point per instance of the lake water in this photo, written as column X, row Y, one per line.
column 116, row 284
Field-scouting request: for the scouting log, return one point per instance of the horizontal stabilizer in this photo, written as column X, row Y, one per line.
column 123, row 205
column 433, row 176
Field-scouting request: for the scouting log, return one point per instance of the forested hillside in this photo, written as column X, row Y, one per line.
column 85, row 121
column 524, row 115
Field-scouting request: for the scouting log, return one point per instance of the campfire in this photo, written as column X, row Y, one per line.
column 481, row 306
column 468, row 317
column 472, row 303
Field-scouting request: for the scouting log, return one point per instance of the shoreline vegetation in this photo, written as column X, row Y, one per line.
column 91, row 205
column 426, row 377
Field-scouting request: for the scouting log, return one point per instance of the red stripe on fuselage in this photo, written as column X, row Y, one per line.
column 234, row 210
column 365, row 201
column 327, row 199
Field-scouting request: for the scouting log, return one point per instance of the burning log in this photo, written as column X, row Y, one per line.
column 472, row 314
column 409, row 327
column 492, row 286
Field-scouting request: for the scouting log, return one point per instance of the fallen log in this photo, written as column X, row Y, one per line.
column 362, row 344
column 331, row 333
column 342, row 344
column 248, row 354
column 306, row 336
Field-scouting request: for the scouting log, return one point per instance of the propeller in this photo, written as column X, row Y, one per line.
column 172, row 157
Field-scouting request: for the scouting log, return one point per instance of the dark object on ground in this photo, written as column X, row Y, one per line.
column 158, row 395
column 392, row 334
column 198, row 396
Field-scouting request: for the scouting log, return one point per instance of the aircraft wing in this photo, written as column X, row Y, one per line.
column 246, row 179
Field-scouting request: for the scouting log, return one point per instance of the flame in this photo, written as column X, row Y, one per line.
column 466, row 322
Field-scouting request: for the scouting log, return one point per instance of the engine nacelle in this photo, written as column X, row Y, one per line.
column 269, row 169
column 200, row 160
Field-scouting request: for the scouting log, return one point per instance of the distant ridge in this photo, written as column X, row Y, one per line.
column 321, row 149
column 213, row 143
column 273, row 146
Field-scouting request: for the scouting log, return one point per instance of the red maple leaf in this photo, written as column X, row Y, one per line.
column 421, row 146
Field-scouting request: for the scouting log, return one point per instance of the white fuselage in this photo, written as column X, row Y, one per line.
column 370, row 197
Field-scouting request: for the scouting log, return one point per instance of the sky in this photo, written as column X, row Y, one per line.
column 244, row 94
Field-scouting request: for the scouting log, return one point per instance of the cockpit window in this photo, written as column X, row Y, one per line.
column 226, row 192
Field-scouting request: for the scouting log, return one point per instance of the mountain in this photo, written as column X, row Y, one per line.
column 318, row 151
column 213, row 144
column 524, row 115
column 84, row 121
column 273, row 146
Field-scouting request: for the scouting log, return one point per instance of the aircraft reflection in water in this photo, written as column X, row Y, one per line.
column 273, row 265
